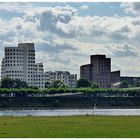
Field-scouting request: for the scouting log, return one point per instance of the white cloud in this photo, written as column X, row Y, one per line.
column 65, row 40
column 65, row 22
column 84, row 7
column 130, row 7
column 15, row 6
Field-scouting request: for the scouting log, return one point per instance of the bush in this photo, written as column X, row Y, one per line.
column 27, row 91
column 83, row 83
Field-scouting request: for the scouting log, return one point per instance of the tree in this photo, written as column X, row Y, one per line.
column 137, row 84
column 124, row 84
column 24, row 84
column 83, row 83
column 55, row 84
column 13, row 83
column 20, row 84
column 7, row 83
column 48, row 84
column 58, row 84
column 95, row 85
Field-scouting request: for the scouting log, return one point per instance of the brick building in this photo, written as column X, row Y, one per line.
column 99, row 71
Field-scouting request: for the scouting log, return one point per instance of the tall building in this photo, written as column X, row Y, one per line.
column 64, row 76
column 19, row 63
column 99, row 71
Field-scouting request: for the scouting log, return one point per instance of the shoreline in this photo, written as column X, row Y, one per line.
column 63, row 108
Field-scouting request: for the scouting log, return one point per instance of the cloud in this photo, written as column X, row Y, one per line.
column 19, row 7
column 55, row 46
column 49, row 19
column 130, row 7
column 84, row 7
column 124, row 50
column 65, row 22
column 64, row 40
column 136, row 21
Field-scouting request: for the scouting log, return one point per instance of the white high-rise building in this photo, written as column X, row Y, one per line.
column 19, row 63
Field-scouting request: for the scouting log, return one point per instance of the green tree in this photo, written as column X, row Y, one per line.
column 124, row 84
column 58, row 84
column 83, row 83
column 20, row 84
column 7, row 83
column 55, row 84
column 11, row 83
column 95, row 85
column 137, row 84
column 48, row 84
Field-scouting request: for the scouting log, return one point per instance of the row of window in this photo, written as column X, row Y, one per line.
column 31, row 68
column 14, row 61
column 31, row 57
column 14, row 71
column 41, row 69
column 35, row 75
column 14, row 75
column 13, row 57
column 58, row 77
column 13, row 54
column 103, row 80
column 31, row 50
column 14, row 65
column 31, row 54
column 31, row 65
column 35, row 79
column 31, row 61
column 14, row 50
column 39, row 65
column 35, row 83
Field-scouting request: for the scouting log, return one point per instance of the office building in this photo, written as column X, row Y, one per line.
column 99, row 71
column 64, row 76
column 19, row 63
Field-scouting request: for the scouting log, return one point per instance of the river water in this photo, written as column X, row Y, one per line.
column 70, row 112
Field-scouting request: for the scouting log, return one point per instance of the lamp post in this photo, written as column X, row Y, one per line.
column 94, row 107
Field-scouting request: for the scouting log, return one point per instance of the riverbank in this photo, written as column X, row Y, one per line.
column 59, row 108
column 72, row 112
column 70, row 127
column 69, row 102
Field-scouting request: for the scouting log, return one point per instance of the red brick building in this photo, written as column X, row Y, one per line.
column 99, row 71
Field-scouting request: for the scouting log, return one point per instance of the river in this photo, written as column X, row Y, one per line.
column 70, row 112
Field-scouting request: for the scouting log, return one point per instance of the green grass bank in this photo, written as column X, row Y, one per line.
column 70, row 127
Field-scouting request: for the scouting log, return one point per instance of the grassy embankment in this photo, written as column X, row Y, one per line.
column 71, row 127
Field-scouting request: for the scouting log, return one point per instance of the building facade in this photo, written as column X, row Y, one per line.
column 130, row 80
column 64, row 76
column 99, row 71
column 19, row 63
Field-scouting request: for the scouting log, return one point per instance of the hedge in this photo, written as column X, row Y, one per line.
column 26, row 91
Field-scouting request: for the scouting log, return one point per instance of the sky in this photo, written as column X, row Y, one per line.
column 66, row 34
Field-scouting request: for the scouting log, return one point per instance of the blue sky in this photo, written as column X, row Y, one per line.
column 66, row 34
column 96, row 8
